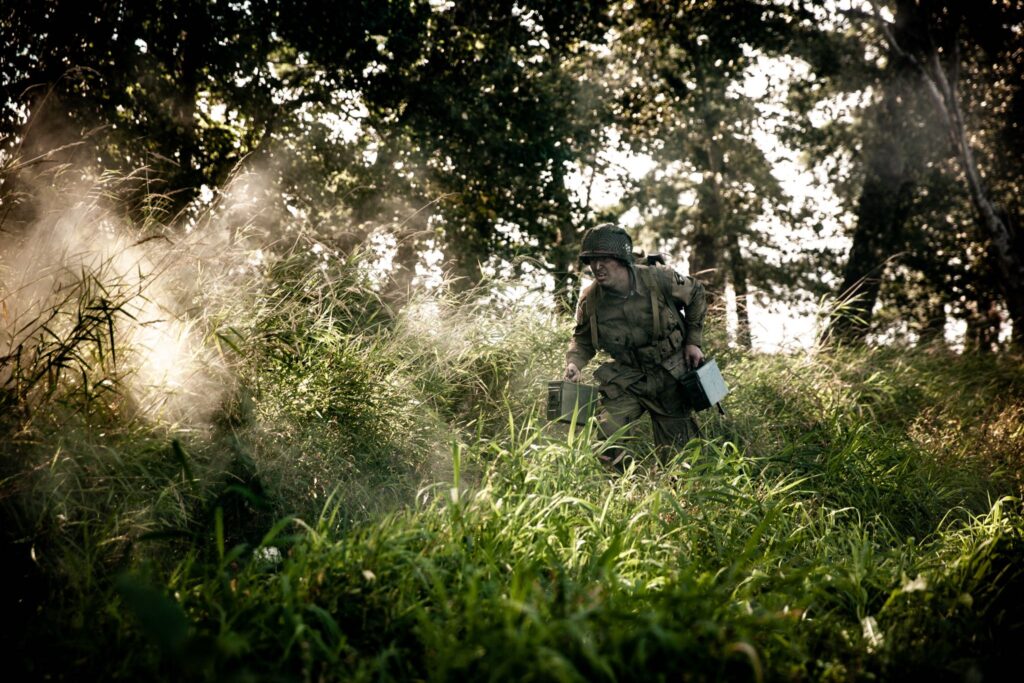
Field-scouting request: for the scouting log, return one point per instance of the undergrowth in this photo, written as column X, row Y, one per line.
column 373, row 494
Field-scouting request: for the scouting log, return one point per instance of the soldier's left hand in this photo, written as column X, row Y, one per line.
column 693, row 355
column 572, row 373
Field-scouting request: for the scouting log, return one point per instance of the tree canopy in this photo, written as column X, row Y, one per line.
column 464, row 127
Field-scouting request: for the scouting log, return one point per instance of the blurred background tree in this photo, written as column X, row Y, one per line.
column 684, row 105
column 463, row 129
column 936, row 233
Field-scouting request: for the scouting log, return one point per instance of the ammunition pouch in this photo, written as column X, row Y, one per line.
column 615, row 379
column 648, row 356
column 660, row 352
column 675, row 365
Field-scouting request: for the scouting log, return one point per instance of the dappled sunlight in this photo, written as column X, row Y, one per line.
column 432, row 322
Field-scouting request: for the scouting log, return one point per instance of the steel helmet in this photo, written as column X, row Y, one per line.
column 607, row 239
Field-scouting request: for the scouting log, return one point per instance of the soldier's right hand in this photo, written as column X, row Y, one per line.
column 572, row 373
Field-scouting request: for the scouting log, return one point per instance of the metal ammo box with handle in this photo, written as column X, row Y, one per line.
column 704, row 387
column 568, row 399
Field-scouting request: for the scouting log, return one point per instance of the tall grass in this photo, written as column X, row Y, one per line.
column 548, row 568
column 373, row 495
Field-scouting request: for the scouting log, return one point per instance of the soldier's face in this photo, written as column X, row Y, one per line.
column 610, row 273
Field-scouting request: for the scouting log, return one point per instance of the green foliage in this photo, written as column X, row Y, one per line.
column 346, row 482
column 467, row 126
column 377, row 500
column 389, row 113
column 973, row 587
column 548, row 569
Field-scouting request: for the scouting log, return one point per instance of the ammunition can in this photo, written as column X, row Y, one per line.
column 566, row 399
column 704, row 387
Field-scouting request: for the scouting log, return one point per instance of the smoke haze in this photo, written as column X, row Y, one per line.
column 79, row 255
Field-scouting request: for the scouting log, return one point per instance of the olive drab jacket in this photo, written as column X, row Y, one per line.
column 641, row 331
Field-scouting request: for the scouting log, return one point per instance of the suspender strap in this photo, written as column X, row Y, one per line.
column 661, row 287
column 652, row 287
column 592, row 313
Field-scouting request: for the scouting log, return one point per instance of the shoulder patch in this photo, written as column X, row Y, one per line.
column 682, row 288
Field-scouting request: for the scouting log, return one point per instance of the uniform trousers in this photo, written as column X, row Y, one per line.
column 658, row 394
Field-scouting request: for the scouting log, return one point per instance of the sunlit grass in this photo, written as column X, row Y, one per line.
column 369, row 492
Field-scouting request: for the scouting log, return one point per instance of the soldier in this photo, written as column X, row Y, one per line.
column 632, row 312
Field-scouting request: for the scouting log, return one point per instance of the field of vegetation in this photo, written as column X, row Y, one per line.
column 282, row 285
column 346, row 487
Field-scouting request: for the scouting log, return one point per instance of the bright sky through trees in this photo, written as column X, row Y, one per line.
column 775, row 326
column 793, row 152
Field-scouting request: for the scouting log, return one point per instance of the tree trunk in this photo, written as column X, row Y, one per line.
column 704, row 254
column 564, row 255
column 983, row 322
column 704, row 259
column 883, row 203
column 738, row 275
column 1007, row 244
column 933, row 320
column 408, row 249
column 463, row 256
column 193, row 33
column 881, row 214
